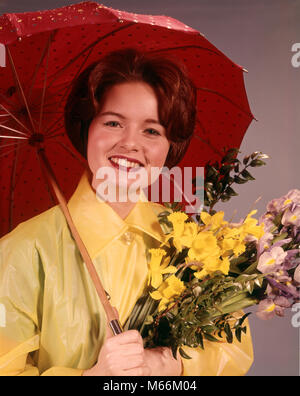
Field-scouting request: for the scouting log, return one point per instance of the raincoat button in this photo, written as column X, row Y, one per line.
column 128, row 237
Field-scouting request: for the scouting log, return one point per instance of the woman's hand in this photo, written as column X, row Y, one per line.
column 124, row 354
column 121, row 355
column 162, row 363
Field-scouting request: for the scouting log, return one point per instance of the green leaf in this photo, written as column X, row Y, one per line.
column 230, row 155
column 243, row 318
column 225, row 169
column 239, row 180
column 246, row 160
column 255, row 154
column 209, row 337
column 238, row 334
column 257, row 162
column 199, row 338
column 247, row 175
column 230, row 191
column 174, row 350
column 225, row 198
column 183, row 354
column 228, row 332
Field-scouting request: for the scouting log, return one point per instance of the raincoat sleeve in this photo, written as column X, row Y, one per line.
column 21, row 299
column 220, row 358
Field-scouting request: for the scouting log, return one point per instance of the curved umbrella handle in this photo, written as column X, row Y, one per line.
column 111, row 316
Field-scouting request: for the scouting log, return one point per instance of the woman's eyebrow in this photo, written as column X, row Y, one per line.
column 148, row 120
column 112, row 113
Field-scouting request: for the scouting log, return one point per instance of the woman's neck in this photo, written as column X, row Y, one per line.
column 121, row 208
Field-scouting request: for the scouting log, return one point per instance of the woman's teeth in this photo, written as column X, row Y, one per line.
column 124, row 162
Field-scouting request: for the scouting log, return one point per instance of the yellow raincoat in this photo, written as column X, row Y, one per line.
column 52, row 322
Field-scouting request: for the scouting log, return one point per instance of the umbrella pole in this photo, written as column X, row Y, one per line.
column 111, row 316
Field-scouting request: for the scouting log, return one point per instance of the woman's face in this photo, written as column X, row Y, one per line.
column 126, row 136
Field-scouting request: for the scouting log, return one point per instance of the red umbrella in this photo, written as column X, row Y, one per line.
column 46, row 50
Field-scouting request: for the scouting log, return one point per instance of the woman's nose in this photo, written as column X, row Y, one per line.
column 130, row 139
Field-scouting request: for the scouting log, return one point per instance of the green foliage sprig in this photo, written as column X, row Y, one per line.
column 219, row 177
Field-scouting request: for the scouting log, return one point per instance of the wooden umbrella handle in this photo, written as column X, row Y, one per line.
column 111, row 316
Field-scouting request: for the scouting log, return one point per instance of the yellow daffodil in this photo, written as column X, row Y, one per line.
column 236, row 245
column 169, row 289
column 212, row 265
column 201, row 274
column 204, row 245
column 189, row 233
column 215, row 221
column 224, row 265
column 250, row 226
column 177, row 219
column 156, row 270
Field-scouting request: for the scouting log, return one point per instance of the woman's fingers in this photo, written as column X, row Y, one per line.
column 128, row 337
column 125, row 363
column 140, row 371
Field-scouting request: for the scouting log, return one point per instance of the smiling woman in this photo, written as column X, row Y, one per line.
column 128, row 112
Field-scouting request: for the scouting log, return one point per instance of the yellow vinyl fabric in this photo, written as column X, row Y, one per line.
column 53, row 322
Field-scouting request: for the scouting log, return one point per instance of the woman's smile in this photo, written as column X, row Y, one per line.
column 125, row 163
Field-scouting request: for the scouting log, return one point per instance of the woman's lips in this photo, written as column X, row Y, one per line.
column 125, row 163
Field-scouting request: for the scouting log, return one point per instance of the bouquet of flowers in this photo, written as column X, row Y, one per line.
column 207, row 270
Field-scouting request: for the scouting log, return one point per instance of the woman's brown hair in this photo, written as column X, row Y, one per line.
column 176, row 96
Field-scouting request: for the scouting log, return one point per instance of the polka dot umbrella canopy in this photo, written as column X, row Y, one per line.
column 46, row 50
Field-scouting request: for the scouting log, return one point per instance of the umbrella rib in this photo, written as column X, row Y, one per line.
column 46, row 47
column 227, row 99
column 44, row 85
column 18, row 121
column 49, row 131
column 14, row 130
column 207, row 142
column 54, row 130
column 9, row 144
column 54, row 136
column 20, row 87
column 4, row 153
column 71, row 153
column 13, row 137
column 184, row 47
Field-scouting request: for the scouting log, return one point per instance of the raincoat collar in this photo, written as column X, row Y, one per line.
column 98, row 224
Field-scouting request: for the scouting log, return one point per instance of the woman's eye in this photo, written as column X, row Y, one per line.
column 112, row 123
column 151, row 131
